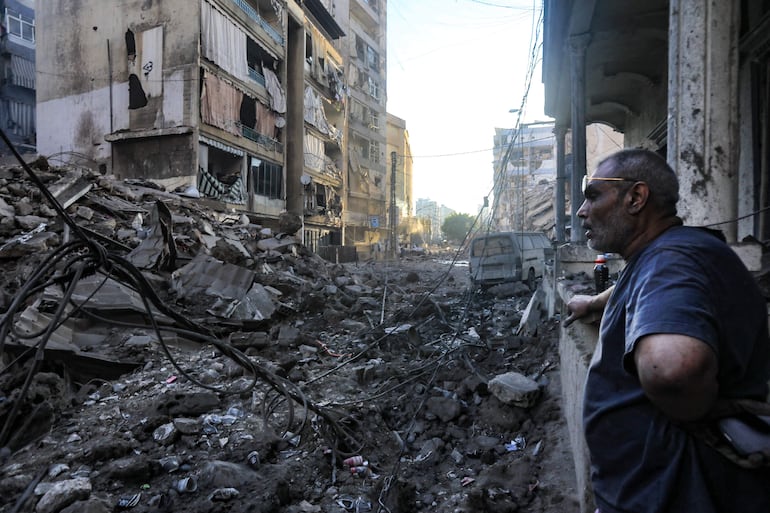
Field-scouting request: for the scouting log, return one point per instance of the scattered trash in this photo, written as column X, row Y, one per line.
column 187, row 485
column 516, row 444
column 358, row 504
column 223, row 494
column 129, row 501
column 253, row 459
column 169, row 463
column 353, row 461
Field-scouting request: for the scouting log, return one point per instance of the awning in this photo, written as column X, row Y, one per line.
column 319, row 12
column 23, row 71
column 221, row 146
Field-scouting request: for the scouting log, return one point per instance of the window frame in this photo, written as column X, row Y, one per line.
column 267, row 178
column 13, row 16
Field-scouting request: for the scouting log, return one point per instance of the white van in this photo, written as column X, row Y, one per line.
column 504, row 257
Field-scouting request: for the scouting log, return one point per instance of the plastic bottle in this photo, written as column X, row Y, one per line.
column 601, row 273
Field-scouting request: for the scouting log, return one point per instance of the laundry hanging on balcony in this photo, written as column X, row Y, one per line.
column 223, row 42
column 220, row 104
column 275, row 90
column 314, row 111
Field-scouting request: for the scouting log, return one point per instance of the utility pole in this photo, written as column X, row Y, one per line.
column 393, row 213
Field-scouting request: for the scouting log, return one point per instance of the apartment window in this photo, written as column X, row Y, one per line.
column 267, row 178
column 372, row 58
column 357, row 110
column 374, row 120
column 374, row 151
column 374, row 88
column 308, row 49
column 20, row 25
column 362, row 146
column 360, row 47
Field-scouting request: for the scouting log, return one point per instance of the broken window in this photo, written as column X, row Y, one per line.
column 361, row 145
column 266, row 178
column 257, row 58
column 320, row 197
column 374, row 151
column 308, row 49
column 360, row 47
column 130, row 47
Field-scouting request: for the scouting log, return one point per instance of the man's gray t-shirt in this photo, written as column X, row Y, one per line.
column 685, row 282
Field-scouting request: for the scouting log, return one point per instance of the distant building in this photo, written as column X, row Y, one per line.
column 364, row 50
column 435, row 215
column 398, row 144
column 525, row 171
column 523, row 156
column 17, row 73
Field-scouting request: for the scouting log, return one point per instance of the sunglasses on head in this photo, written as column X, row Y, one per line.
column 587, row 179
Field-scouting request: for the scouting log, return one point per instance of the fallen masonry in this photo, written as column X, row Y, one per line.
column 161, row 355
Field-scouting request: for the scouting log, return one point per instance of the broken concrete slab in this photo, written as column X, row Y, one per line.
column 533, row 315
column 158, row 249
column 70, row 188
column 514, row 388
column 283, row 245
column 207, row 275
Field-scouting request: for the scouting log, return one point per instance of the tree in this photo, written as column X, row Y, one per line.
column 457, row 226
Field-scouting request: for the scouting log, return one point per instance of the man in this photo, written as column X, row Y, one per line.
column 685, row 324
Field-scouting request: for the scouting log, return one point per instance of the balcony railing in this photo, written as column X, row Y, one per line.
column 263, row 140
column 251, row 13
column 257, row 77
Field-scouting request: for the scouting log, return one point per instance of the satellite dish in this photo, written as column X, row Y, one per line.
column 304, row 179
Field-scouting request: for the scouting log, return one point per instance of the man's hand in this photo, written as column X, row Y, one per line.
column 588, row 308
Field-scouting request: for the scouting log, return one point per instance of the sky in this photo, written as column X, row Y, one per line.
column 455, row 70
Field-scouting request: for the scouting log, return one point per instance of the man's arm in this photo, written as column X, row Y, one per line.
column 678, row 374
column 582, row 306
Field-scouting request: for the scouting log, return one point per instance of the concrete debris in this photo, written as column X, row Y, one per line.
column 188, row 358
column 514, row 388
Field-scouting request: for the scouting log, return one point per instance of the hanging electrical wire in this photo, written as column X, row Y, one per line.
column 85, row 256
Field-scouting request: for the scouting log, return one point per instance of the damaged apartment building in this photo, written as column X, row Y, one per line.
column 17, row 73
column 244, row 103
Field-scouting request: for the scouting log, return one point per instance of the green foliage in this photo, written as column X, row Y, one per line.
column 456, row 226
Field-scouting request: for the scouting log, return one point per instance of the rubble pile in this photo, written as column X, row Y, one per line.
column 159, row 355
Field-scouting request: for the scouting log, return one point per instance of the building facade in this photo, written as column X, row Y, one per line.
column 400, row 183
column 633, row 66
column 363, row 48
column 244, row 102
column 523, row 156
column 17, row 73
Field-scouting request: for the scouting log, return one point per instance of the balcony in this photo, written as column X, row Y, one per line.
column 367, row 12
column 262, row 140
column 257, row 77
column 251, row 13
